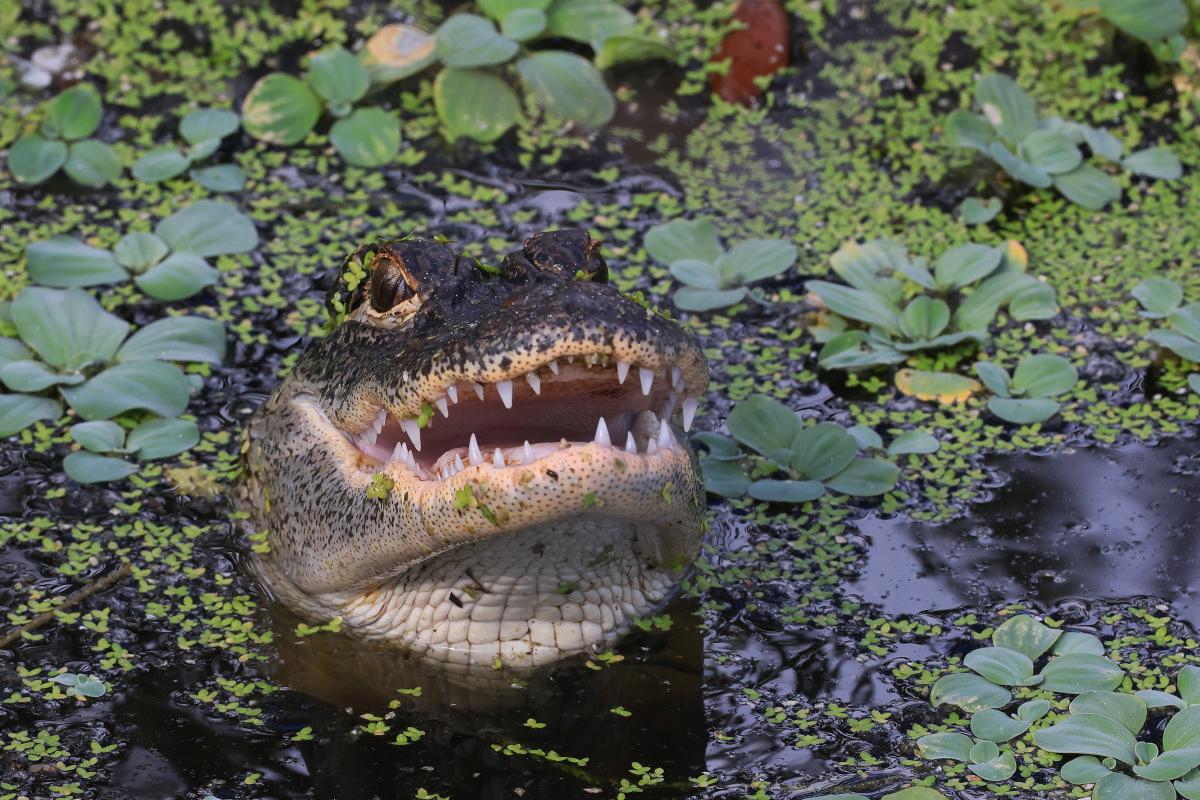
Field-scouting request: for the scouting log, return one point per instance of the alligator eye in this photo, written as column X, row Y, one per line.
column 389, row 288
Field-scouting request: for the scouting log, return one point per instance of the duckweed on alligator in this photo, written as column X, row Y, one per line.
column 166, row 265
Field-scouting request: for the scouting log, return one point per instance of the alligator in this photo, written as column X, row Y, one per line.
column 481, row 464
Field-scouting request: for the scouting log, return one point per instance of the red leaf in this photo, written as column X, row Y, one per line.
column 759, row 48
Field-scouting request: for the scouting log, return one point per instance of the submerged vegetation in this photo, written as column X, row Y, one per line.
column 182, row 181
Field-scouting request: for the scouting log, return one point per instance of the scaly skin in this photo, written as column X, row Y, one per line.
column 524, row 530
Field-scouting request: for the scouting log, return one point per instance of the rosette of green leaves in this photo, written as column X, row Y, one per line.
column 1026, row 396
column 168, row 264
column 893, row 304
column 1163, row 299
column 813, row 458
column 61, row 142
column 105, row 442
column 70, row 349
column 1158, row 23
column 282, row 109
column 712, row 276
column 203, row 130
column 475, row 100
column 1044, row 152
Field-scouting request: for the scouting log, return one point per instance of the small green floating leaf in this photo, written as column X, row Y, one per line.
column 724, row 478
column 697, row 274
column 206, row 124
column 568, row 86
column 969, row 692
column 72, row 115
column 1088, row 187
column 33, row 159
column 151, row 385
column 999, row 768
column 1044, row 375
column 823, row 450
column 178, row 276
column 85, row 467
column 1183, row 731
column 191, row 339
column 1148, row 20
column 19, row 411
column 474, row 103
column 370, row 137
column 1088, row 734
column 220, row 178
column 1007, row 107
column 996, row 726
column 33, row 376
column 1076, row 673
column 1158, row 296
column 523, row 24
column 1116, row 786
column 67, row 327
column 994, row 378
column 1026, row 635
column 1154, row 162
column 1000, row 665
column 280, row 109
column 755, row 259
column 967, row 129
column 338, row 77
column 160, row 165
column 949, row 745
column 589, row 22
column 763, row 424
column 626, row 48
column 101, row 436
column 1156, row 699
column 688, row 298
column 468, row 40
column 64, row 261
column 1051, row 152
column 1126, row 709
column 684, row 240
column 1023, row 411
column 1170, row 765
column 1084, row 769
column 92, row 163
column 163, row 438
column 774, row 491
column 977, row 211
column 913, row 442
column 1032, row 710
column 138, row 252
column 208, row 228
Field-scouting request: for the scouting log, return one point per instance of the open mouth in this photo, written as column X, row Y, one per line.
column 569, row 402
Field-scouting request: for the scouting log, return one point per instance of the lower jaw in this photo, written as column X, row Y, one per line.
column 517, row 600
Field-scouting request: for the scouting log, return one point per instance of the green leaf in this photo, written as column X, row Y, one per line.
column 92, row 163
column 1188, row 681
column 861, row 265
column 568, row 86
column 1076, row 642
column 499, row 9
column 160, row 165
column 151, row 385
column 33, row 376
column 467, row 40
column 1189, row 785
column 1157, row 699
column 202, row 150
column 994, row 377
column 919, row 442
column 968, row 129
column 67, row 328
column 773, row 491
column 101, row 436
column 1083, row 769
column 996, row 726
column 1181, row 345
column 1032, row 710
column 681, row 240
column 1126, row 709
column 1044, row 375
column 33, row 159
column 978, row 310
column 865, row 477
column 1007, row 107
column 19, row 411
column 1023, row 411
column 74, row 114
column 754, row 260
column 208, row 228
column 1170, row 765
column 1000, row 665
column 280, row 109
column 206, row 124
column 1088, row 734
column 338, row 77
column 1148, row 20
column 65, row 261
column 86, row 467
column 1116, row 786
column 858, row 305
column 718, row 447
column 523, row 24
column 943, row 387
column 823, row 450
column 626, row 48
column 698, row 274
column 1050, row 151
column 924, row 318
column 977, row 211
column 969, row 692
column 1037, row 300
column 370, row 137
column 1183, row 731
column 475, row 104
column 178, row 276
column 191, row 339
column 12, row 350
column 857, row 350
column 1019, row 168
column 1103, row 143
column 866, row 437
column 1076, row 673
column 590, row 22
column 690, row 299
column 1000, row 768
column 220, row 178
column 949, row 745
column 1088, row 187
column 1026, row 635
column 724, row 478
column 398, row 51
column 163, row 438
column 1154, row 162
column 1158, row 296
column 138, row 252
column 763, row 424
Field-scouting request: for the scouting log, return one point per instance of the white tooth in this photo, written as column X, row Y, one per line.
column 553, row 366
column 397, row 453
column 459, row 466
column 413, row 430
column 442, row 406
column 630, row 445
column 602, row 433
column 380, row 420
column 689, row 412
column 452, row 393
column 473, row 451
column 504, row 388
column 534, row 382
column 651, row 446
column 665, row 437
column 676, row 376
column 498, row 458
column 478, row 387
column 527, row 453
column 647, row 378
column 622, row 371
column 368, row 436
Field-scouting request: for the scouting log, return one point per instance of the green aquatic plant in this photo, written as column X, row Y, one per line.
column 712, row 276
column 168, row 264
column 813, row 458
column 474, row 100
column 1045, row 151
column 895, row 305
column 1026, row 396
column 80, row 686
column 1158, row 23
column 70, row 349
column 283, row 109
column 62, row 141
column 104, row 441
column 203, row 130
column 1163, row 299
